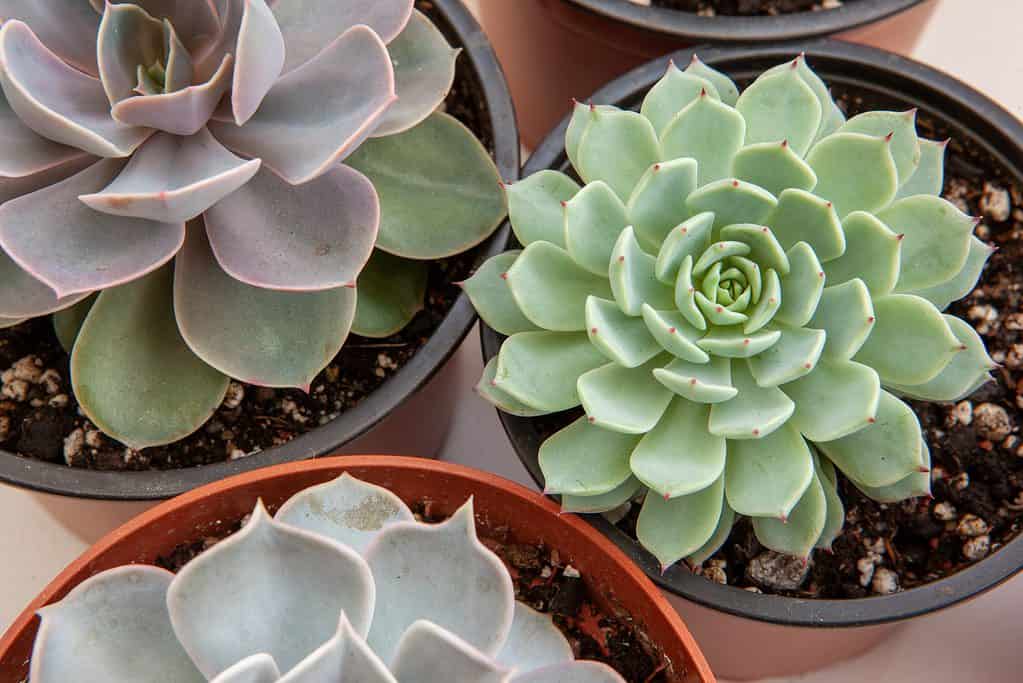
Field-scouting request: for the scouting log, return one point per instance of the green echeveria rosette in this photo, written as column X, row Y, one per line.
column 209, row 189
column 737, row 297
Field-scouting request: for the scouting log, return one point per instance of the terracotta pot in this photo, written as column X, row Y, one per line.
column 499, row 504
column 555, row 50
column 405, row 414
column 777, row 635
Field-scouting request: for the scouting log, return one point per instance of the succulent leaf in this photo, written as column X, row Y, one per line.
column 674, row 334
column 603, row 502
column 912, row 485
column 780, row 107
column 679, row 456
column 835, row 517
column 67, row 323
column 551, row 290
column 856, row 172
column 259, row 59
column 534, row 642
column 708, row 132
column 26, row 153
column 259, row 668
column 391, row 291
column 541, row 369
column 625, row 136
column 673, row 93
column 438, row 188
column 706, row 382
column 820, row 415
column 536, row 207
column 672, row 528
column 773, row 166
column 22, row 296
column 754, row 413
column 732, row 201
column 487, row 289
column 622, row 399
column 623, row 339
column 129, row 37
column 586, row 460
column 659, row 199
column 960, row 377
column 905, row 146
column 846, row 314
column 487, row 388
column 793, row 355
column 262, row 336
column 130, row 338
column 345, row 655
column 718, row 538
column 929, row 177
column 69, row 29
column 724, row 85
column 431, row 654
column 797, row 534
column 594, row 218
column 582, row 115
column 804, row 217
column 937, row 240
column 691, row 239
column 633, row 279
column 767, row 478
column 873, row 254
column 944, row 294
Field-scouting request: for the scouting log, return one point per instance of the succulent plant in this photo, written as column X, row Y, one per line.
column 174, row 190
column 737, row 298
column 416, row 603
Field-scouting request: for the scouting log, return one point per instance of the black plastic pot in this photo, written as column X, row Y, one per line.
column 724, row 29
column 497, row 110
column 969, row 116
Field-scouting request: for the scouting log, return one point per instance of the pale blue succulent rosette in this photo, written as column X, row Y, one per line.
column 214, row 189
column 739, row 296
column 342, row 586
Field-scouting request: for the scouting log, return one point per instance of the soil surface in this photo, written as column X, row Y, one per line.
column 545, row 582
column 40, row 418
column 711, row 8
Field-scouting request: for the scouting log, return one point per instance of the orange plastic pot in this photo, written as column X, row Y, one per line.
column 500, row 504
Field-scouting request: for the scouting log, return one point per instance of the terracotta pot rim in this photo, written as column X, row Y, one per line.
column 160, row 484
column 728, row 29
column 1000, row 134
column 333, row 466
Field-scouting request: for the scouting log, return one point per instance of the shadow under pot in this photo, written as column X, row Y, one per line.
column 595, row 41
column 892, row 561
column 381, row 391
column 502, row 578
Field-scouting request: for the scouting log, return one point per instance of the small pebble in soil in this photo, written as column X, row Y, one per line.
column 715, row 571
column 977, row 548
column 945, row 511
column 995, row 203
column 971, row 526
column 885, row 581
column 992, row 422
column 778, row 572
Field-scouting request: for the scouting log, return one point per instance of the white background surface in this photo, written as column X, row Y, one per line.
column 977, row 40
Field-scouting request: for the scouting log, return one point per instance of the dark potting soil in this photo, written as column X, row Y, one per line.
column 545, row 582
column 40, row 418
column 712, row 8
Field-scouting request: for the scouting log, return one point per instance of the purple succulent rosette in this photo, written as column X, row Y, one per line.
column 194, row 188
column 343, row 586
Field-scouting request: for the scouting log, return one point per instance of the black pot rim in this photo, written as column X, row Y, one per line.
column 159, row 484
column 942, row 95
column 728, row 29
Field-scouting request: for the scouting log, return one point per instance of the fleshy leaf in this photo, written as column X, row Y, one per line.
column 708, row 131
column 832, row 117
column 873, row 254
column 960, row 376
column 674, row 334
column 725, row 86
column 732, row 201
column 754, row 413
column 804, row 217
column 658, row 204
column 425, row 572
column 68, row 322
column 603, row 502
column 685, row 295
column 492, row 297
column 22, row 296
column 579, row 671
column 262, row 577
column 488, row 390
column 428, row 653
column 129, row 606
column 259, row 336
column 345, row 657
column 541, row 369
column 912, row 485
column 438, row 187
column 259, row 59
column 893, row 442
column 690, row 238
column 173, row 179
column 672, row 528
column 128, row 37
column 767, row 306
column 774, row 167
column 424, row 69
column 718, row 538
column 937, row 240
column 679, row 456
column 310, row 25
column 854, row 171
column 802, row 289
column 71, row 248
column 929, row 177
column 835, row 517
column 707, row 382
column 765, row 250
column 534, row 642
column 133, row 374
column 594, row 218
column 58, row 101
column 346, row 509
column 673, row 93
column 905, row 146
column 621, row 338
column 586, row 460
column 838, row 398
column 69, row 29
column 626, row 137
column 259, row 668
column 627, row 400
column 391, row 291
column 767, row 477
column 311, row 237
column 942, row 295
column 911, row 342
column 780, row 106
column 318, row 114
column 27, row 154
column 799, row 532
column 551, row 290
column 536, row 207
column 732, row 342
column 582, row 116
column 632, row 277
column 792, row 356
column 846, row 314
